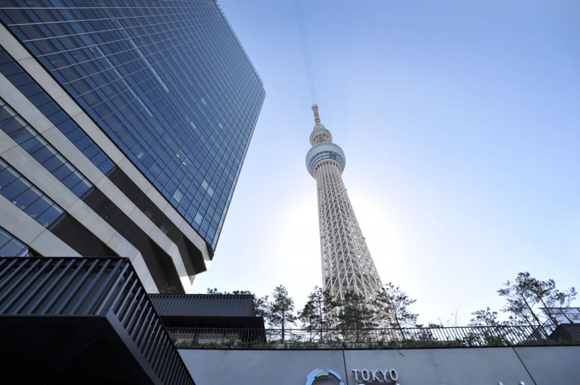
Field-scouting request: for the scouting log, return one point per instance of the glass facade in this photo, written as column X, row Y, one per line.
column 31, row 141
column 168, row 82
column 10, row 246
column 45, row 104
column 28, row 198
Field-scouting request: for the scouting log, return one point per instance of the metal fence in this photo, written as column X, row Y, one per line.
column 556, row 316
column 361, row 338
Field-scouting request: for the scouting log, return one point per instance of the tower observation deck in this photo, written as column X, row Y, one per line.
column 347, row 265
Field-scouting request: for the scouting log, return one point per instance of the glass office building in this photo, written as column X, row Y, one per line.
column 124, row 126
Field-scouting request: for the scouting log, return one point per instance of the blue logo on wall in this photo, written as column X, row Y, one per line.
column 320, row 373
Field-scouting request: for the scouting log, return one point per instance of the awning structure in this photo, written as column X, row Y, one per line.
column 207, row 311
column 82, row 321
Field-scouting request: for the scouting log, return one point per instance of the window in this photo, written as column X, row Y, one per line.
column 28, row 198
column 10, row 246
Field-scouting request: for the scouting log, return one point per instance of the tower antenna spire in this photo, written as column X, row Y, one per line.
column 316, row 116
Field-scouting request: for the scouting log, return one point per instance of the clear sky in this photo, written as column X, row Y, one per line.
column 460, row 121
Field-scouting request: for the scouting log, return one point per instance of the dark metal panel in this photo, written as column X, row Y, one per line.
column 204, row 305
column 48, row 286
column 106, row 289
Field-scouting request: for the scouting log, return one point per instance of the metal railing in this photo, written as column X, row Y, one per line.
column 362, row 338
column 556, row 316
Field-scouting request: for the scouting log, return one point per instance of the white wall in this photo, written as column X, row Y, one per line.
column 554, row 365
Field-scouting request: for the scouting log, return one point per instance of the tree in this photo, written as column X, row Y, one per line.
column 526, row 295
column 317, row 314
column 488, row 330
column 261, row 306
column 355, row 315
column 486, row 318
column 312, row 314
column 260, row 303
column 392, row 308
column 392, row 312
column 280, row 310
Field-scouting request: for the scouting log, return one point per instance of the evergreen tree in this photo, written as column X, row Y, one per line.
column 355, row 316
column 280, row 310
column 318, row 314
column 486, row 318
column 526, row 295
column 392, row 308
column 312, row 315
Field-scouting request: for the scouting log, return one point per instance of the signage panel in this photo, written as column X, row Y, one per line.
column 447, row 366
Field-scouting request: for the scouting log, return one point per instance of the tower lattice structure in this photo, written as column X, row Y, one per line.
column 347, row 265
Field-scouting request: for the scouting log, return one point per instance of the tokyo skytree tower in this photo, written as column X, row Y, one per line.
column 347, row 265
